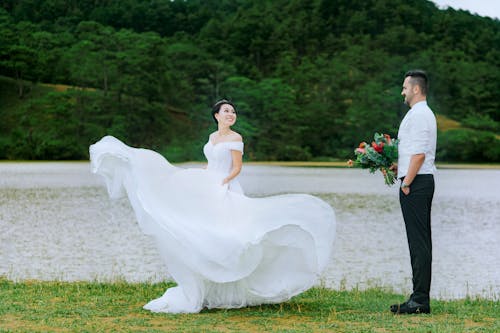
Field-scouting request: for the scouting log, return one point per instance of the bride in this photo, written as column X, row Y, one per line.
column 222, row 248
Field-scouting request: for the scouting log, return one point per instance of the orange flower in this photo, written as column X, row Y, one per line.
column 363, row 145
column 387, row 138
column 350, row 163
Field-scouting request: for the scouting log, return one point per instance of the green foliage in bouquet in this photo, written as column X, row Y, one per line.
column 380, row 155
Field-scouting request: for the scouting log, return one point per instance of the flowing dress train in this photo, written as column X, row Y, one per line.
column 224, row 249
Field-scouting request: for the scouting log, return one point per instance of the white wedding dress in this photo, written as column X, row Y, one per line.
column 224, row 249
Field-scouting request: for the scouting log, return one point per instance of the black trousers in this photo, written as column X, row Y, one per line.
column 416, row 208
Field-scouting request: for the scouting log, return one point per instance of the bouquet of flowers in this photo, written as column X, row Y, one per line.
column 380, row 155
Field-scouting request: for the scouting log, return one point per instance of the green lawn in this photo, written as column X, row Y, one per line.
column 117, row 307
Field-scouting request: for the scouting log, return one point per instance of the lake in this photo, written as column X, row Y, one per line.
column 57, row 223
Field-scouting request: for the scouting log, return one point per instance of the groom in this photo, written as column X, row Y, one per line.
column 417, row 149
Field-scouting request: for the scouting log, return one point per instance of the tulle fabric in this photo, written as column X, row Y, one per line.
column 224, row 249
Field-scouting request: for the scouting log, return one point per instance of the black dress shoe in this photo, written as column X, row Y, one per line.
column 410, row 307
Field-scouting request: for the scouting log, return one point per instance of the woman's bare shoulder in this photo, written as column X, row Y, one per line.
column 236, row 137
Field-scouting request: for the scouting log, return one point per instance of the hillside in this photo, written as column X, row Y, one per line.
column 310, row 79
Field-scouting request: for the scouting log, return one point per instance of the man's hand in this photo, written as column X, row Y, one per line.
column 406, row 189
column 394, row 168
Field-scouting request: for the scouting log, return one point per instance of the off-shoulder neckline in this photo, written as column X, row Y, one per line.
column 218, row 143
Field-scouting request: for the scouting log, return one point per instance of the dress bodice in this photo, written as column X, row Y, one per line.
column 219, row 155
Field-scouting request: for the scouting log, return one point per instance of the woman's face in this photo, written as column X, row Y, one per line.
column 226, row 115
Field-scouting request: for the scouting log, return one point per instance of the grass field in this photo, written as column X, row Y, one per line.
column 117, row 307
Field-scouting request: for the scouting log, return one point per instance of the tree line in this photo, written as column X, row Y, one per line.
column 310, row 79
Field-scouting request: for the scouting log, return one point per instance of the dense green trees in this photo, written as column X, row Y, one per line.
column 310, row 78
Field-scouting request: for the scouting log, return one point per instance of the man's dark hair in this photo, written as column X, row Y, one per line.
column 218, row 104
column 419, row 78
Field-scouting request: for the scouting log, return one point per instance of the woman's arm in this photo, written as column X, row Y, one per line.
column 237, row 157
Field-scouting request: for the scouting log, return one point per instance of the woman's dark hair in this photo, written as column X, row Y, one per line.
column 419, row 78
column 218, row 104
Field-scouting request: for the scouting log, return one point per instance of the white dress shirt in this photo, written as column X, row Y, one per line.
column 417, row 135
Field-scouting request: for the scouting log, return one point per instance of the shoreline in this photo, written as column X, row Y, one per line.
column 169, row 282
column 311, row 164
column 344, row 165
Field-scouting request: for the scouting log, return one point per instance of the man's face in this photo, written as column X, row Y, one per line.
column 408, row 91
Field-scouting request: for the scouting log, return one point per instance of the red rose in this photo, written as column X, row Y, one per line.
column 378, row 147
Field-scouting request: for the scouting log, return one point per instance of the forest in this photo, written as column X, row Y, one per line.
column 310, row 79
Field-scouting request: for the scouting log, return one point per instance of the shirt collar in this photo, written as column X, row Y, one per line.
column 419, row 104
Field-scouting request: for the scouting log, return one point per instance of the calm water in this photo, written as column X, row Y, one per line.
column 57, row 223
